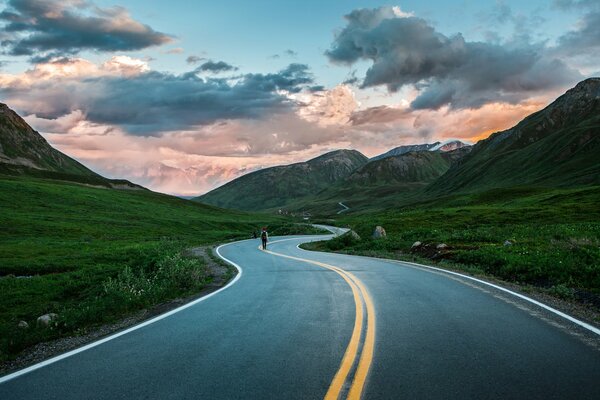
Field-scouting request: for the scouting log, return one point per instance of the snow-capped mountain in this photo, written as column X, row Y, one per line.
column 447, row 145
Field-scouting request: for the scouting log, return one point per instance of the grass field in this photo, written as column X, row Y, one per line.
column 555, row 236
column 92, row 255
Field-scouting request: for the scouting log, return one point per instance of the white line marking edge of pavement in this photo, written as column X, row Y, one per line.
column 561, row 314
column 88, row 346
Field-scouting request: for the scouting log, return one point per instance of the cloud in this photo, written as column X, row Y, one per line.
column 379, row 114
column 216, row 67
column 53, row 28
column 194, row 59
column 327, row 107
column 175, row 50
column 406, row 50
column 124, row 92
column 286, row 53
column 585, row 39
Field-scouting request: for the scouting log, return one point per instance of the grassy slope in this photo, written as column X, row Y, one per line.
column 380, row 184
column 275, row 187
column 91, row 252
column 556, row 235
column 534, row 152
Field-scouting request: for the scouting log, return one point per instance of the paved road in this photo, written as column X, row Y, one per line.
column 336, row 325
column 344, row 209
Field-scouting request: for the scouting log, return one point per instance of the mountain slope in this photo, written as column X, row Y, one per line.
column 278, row 186
column 437, row 146
column 20, row 145
column 415, row 166
column 383, row 183
column 558, row 146
column 24, row 152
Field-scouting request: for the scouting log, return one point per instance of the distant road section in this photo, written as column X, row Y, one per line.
column 310, row 325
column 344, row 209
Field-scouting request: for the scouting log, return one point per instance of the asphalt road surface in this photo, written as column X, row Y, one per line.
column 306, row 325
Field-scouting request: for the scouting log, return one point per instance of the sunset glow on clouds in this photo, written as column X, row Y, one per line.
column 95, row 93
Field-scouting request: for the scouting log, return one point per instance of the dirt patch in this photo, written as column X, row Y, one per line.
column 220, row 272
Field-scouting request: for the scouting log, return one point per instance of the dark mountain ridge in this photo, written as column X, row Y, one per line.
column 23, row 151
column 558, row 146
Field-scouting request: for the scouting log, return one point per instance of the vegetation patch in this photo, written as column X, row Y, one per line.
column 549, row 238
column 94, row 255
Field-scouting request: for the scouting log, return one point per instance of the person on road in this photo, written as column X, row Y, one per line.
column 264, row 236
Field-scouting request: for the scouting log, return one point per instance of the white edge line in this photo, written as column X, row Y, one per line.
column 52, row 360
column 529, row 299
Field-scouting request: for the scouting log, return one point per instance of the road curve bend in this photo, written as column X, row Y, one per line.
column 309, row 325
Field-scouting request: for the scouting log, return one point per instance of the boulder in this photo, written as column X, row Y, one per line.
column 353, row 235
column 416, row 245
column 441, row 246
column 46, row 319
column 379, row 232
column 23, row 325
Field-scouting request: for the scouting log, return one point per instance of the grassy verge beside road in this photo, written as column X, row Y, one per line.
column 93, row 255
column 549, row 239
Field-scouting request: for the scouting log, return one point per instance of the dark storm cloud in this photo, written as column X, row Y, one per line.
column 448, row 70
column 216, row 67
column 47, row 28
column 154, row 102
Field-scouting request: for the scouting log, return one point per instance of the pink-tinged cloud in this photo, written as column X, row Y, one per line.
column 198, row 157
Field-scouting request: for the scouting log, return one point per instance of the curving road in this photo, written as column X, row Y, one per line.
column 306, row 325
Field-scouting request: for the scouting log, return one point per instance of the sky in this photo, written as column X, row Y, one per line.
column 182, row 96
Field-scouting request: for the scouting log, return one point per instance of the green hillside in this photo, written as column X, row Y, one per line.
column 422, row 166
column 521, row 206
column 558, row 146
column 278, row 186
column 86, row 253
column 382, row 183
column 553, row 234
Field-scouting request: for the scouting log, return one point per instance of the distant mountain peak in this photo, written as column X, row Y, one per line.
column 447, row 145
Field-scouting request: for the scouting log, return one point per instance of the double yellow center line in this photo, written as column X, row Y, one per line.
column 361, row 298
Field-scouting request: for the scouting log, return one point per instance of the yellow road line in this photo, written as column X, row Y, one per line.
column 351, row 352
column 366, row 357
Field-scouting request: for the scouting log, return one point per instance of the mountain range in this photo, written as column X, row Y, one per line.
column 557, row 146
column 275, row 187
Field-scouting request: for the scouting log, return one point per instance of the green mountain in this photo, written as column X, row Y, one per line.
column 279, row 186
column 412, row 167
column 383, row 182
column 558, row 146
column 24, row 152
